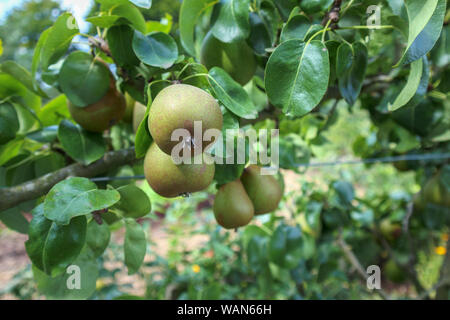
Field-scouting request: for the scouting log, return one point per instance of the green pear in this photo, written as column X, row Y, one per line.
column 435, row 192
column 264, row 190
column 232, row 206
column 138, row 115
column 237, row 58
column 178, row 107
column 393, row 272
column 128, row 117
column 390, row 230
column 103, row 114
column 170, row 180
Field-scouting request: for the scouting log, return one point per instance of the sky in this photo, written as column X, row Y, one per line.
column 78, row 8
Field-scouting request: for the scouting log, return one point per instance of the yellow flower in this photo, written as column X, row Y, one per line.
column 1, row 47
column 196, row 268
column 445, row 237
column 440, row 250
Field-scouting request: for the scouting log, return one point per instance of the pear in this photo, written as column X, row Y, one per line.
column 393, row 272
column 232, row 206
column 103, row 114
column 128, row 117
column 264, row 190
column 237, row 58
column 138, row 115
column 435, row 192
column 170, row 180
column 178, row 107
column 390, row 230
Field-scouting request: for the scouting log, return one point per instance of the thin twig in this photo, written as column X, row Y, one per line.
column 357, row 265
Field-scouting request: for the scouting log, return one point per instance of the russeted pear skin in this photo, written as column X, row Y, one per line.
column 103, row 114
column 138, row 115
column 236, row 58
column 264, row 190
column 178, row 107
column 170, row 180
column 232, row 206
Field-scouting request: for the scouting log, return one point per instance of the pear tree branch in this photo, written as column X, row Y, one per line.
column 13, row 196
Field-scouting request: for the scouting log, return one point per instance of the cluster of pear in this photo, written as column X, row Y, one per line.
column 103, row 114
column 178, row 107
column 237, row 202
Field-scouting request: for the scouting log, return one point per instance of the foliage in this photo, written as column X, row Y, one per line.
column 311, row 66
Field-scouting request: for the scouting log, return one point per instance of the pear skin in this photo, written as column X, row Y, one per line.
column 264, row 190
column 128, row 117
column 170, row 180
column 232, row 206
column 178, row 107
column 138, row 115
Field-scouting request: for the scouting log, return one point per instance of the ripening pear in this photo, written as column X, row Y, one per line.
column 103, row 114
column 393, row 272
column 236, row 58
column 138, row 115
column 435, row 192
column 128, row 117
column 390, row 230
column 170, row 180
column 264, row 190
column 232, row 206
column 178, row 107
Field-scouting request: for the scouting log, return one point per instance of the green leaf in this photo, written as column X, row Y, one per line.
column 120, row 44
column 49, row 163
column 22, row 75
column 54, row 111
column 60, row 287
column 97, row 237
column 351, row 66
column 260, row 36
column 425, row 25
column 230, row 20
column 190, row 12
column 44, row 135
column 146, row 4
column 38, row 53
column 157, row 49
column 293, row 152
column 195, row 74
column 164, row 25
column 75, row 197
column 10, row 150
column 297, row 27
column 134, row 202
column 135, row 245
column 83, row 80
column 297, row 76
column 285, row 7
column 277, row 246
column 52, row 247
column 132, row 14
column 58, row 40
column 143, row 138
column 14, row 219
column 83, row 146
column 9, row 123
column 106, row 21
column 231, row 94
column 410, row 89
